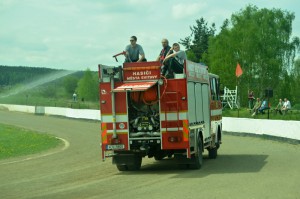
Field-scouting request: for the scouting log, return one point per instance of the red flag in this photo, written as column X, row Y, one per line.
column 238, row 70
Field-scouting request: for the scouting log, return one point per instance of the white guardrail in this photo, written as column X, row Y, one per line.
column 277, row 128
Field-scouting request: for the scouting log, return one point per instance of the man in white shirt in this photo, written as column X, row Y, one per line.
column 174, row 61
column 286, row 106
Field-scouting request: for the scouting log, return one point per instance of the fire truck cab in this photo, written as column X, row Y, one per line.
column 143, row 114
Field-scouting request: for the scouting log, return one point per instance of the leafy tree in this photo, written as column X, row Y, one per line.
column 221, row 56
column 296, row 69
column 88, row 86
column 49, row 91
column 295, row 83
column 70, row 84
column 260, row 40
column 197, row 43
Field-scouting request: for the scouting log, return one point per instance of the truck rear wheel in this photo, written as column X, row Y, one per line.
column 128, row 162
column 183, row 166
column 122, row 167
column 197, row 158
column 159, row 155
column 131, row 166
column 136, row 164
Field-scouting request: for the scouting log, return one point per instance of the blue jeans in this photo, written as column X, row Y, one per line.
column 261, row 109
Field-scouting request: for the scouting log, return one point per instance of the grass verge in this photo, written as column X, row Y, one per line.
column 31, row 100
column 16, row 141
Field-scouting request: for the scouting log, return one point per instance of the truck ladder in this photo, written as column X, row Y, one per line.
column 169, row 96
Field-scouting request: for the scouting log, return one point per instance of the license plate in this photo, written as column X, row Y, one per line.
column 115, row 146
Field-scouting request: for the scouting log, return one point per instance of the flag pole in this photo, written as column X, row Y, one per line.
column 237, row 95
column 238, row 73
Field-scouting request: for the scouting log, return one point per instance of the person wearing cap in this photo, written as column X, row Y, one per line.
column 134, row 51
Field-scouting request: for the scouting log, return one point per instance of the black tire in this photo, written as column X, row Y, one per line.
column 159, row 156
column 197, row 158
column 219, row 141
column 122, row 167
column 183, row 166
column 213, row 153
column 136, row 165
column 218, row 145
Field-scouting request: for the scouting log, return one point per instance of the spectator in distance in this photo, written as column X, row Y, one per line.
column 286, row 106
column 256, row 106
column 279, row 107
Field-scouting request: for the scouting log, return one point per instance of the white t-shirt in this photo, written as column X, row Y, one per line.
column 180, row 56
column 287, row 104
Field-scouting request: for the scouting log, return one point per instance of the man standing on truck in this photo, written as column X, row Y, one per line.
column 174, row 61
column 134, row 51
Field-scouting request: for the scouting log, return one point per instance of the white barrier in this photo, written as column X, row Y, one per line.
column 278, row 128
column 19, row 108
column 65, row 112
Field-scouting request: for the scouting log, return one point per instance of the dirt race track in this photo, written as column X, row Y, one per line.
column 246, row 167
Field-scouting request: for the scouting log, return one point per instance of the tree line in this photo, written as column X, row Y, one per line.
column 19, row 74
column 261, row 41
column 83, row 83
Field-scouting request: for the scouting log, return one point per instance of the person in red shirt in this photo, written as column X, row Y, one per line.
column 250, row 98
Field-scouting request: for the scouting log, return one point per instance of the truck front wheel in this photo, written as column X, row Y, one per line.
column 213, row 153
column 198, row 156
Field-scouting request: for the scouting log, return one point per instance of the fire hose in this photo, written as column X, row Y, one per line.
column 121, row 53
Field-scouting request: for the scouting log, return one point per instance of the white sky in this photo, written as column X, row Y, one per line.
column 76, row 34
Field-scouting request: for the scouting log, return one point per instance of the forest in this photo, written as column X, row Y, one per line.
column 20, row 74
column 261, row 41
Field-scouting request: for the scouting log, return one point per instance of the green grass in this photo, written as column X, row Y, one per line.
column 32, row 100
column 244, row 113
column 16, row 141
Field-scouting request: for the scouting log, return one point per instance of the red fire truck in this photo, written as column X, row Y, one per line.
column 143, row 114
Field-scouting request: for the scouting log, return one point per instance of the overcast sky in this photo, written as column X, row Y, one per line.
column 77, row 34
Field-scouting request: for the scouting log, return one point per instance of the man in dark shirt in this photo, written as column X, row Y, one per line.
column 164, row 51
